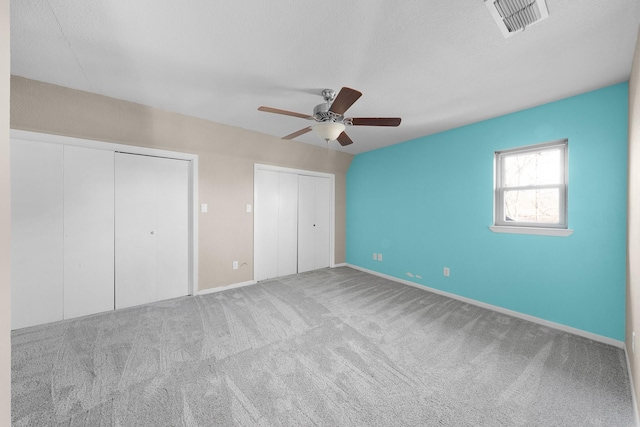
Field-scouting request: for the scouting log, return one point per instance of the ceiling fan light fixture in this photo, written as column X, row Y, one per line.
column 328, row 131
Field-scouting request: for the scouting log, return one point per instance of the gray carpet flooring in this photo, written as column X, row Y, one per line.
column 333, row 347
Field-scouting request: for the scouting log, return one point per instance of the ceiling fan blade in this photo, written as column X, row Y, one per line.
column 345, row 99
column 376, row 121
column 284, row 112
column 298, row 133
column 344, row 139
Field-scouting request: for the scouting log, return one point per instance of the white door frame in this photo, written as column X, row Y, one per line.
column 332, row 204
column 134, row 149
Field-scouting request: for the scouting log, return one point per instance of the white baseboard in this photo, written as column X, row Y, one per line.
column 225, row 288
column 633, row 390
column 547, row 323
column 342, row 264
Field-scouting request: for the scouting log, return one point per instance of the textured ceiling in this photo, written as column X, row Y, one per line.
column 437, row 64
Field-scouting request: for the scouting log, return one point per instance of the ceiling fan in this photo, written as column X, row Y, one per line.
column 329, row 116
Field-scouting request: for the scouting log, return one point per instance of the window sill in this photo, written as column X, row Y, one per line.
column 560, row 232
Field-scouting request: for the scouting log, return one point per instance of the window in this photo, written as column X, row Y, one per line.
column 531, row 188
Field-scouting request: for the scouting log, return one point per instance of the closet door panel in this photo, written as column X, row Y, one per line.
column 287, row 224
column 88, row 231
column 36, row 233
column 313, row 223
column 321, row 230
column 135, row 228
column 172, row 236
column 152, row 229
column 266, row 224
column 306, row 223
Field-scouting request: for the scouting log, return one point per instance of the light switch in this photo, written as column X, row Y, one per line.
column 204, row 208
column 248, row 208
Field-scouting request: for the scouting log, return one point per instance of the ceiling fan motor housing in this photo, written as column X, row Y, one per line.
column 321, row 113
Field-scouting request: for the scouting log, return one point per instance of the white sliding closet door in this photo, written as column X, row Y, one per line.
column 172, row 219
column 287, row 224
column 292, row 223
column 266, row 224
column 36, row 233
column 152, row 225
column 88, row 231
column 313, row 222
column 322, row 221
column 276, row 210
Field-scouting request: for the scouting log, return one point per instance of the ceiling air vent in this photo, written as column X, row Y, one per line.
column 513, row 16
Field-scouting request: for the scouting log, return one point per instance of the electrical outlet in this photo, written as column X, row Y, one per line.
column 379, row 257
column 235, row 265
column 375, row 256
column 446, row 272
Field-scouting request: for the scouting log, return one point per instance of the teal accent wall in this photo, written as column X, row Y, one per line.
column 427, row 203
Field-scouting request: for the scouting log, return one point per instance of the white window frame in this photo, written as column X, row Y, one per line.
column 502, row 226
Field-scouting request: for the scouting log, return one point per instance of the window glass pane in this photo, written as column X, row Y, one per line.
column 532, row 206
column 533, row 168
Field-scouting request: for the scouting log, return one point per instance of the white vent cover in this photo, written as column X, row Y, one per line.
column 513, row 16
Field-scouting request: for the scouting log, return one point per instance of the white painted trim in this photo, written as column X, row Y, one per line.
column 633, row 390
column 134, row 149
column 226, row 288
column 342, row 264
column 101, row 145
column 543, row 322
column 560, row 232
column 195, row 231
column 332, row 204
column 291, row 170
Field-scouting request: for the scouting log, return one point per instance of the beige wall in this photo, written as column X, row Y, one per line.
column 5, row 225
column 226, row 159
column 633, row 230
